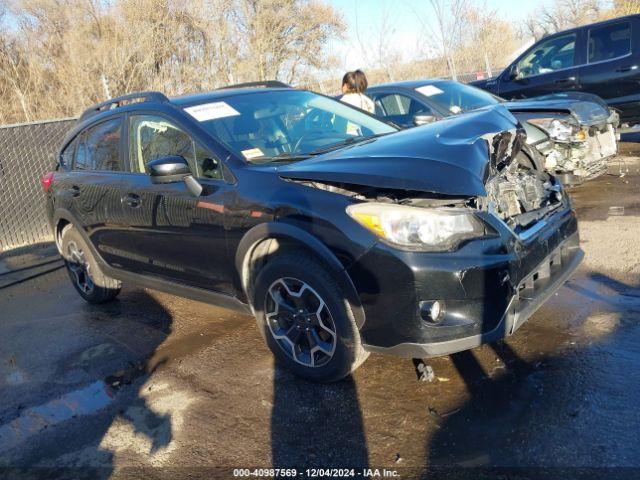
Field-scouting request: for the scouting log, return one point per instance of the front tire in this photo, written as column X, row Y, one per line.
column 85, row 273
column 305, row 319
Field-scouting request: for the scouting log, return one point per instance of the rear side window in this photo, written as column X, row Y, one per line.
column 99, row 147
column 66, row 157
column 611, row 41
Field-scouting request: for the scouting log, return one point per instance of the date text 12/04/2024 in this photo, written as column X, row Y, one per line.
column 316, row 473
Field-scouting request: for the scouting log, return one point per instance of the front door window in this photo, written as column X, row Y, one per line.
column 554, row 54
column 153, row 137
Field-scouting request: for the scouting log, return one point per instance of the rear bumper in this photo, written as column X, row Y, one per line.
column 533, row 291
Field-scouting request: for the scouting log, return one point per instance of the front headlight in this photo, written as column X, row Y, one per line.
column 560, row 130
column 425, row 229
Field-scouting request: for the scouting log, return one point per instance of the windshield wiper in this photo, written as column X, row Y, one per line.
column 280, row 156
column 344, row 143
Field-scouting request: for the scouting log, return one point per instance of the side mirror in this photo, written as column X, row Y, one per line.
column 173, row 169
column 170, row 169
column 423, row 119
column 514, row 72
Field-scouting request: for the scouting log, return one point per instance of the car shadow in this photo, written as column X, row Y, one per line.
column 98, row 388
column 499, row 428
column 316, row 425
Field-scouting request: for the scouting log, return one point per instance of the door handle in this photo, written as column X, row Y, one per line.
column 132, row 200
column 75, row 191
column 566, row 80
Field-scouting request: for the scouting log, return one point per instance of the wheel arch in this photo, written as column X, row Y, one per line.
column 62, row 218
column 265, row 240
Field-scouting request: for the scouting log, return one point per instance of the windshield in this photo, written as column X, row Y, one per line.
column 285, row 124
column 457, row 97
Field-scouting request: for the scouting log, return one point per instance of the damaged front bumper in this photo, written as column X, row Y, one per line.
column 586, row 158
column 487, row 289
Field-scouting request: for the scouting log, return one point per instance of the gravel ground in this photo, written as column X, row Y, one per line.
column 609, row 228
column 155, row 386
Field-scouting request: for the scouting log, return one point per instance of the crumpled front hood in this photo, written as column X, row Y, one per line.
column 452, row 157
column 588, row 109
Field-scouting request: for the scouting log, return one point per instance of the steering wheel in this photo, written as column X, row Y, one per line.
column 317, row 119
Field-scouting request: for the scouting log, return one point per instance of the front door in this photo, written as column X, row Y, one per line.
column 550, row 66
column 176, row 236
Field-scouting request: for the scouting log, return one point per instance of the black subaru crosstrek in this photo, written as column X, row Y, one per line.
column 341, row 234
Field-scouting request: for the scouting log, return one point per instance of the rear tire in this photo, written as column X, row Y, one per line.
column 85, row 273
column 305, row 319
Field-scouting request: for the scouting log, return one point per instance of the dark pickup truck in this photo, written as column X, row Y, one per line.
column 601, row 58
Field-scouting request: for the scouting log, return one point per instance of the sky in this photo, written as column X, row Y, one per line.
column 363, row 16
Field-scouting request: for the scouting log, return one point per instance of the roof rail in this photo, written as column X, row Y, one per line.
column 123, row 100
column 261, row 84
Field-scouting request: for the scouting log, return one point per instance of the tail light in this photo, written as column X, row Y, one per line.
column 47, row 181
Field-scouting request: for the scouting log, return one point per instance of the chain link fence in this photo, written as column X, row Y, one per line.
column 27, row 152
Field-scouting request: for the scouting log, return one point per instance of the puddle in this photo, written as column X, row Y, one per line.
column 15, row 378
column 32, row 421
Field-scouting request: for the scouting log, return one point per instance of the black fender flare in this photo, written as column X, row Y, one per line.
column 63, row 214
column 67, row 216
column 273, row 230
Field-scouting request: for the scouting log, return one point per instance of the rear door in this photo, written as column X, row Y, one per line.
column 176, row 236
column 551, row 65
column 612, row 70
column 92, row 188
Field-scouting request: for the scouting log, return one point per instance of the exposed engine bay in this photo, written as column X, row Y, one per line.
column 519, row 189
column 519, row 192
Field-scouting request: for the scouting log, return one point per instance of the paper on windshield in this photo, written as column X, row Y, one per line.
column 428, row 90
column 252, row 153
column 352, row 129
column 211, row 111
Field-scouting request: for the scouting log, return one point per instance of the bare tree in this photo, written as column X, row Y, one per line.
column 447, row 30
column 378, row 45
column 623, row 7
column 61, row 55
column 561, row 15
column 285, row 36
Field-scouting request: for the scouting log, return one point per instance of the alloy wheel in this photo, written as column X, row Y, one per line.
column 300, row 322
column 79, row 268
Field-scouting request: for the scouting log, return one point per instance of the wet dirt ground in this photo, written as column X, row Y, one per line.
column 155, row 386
